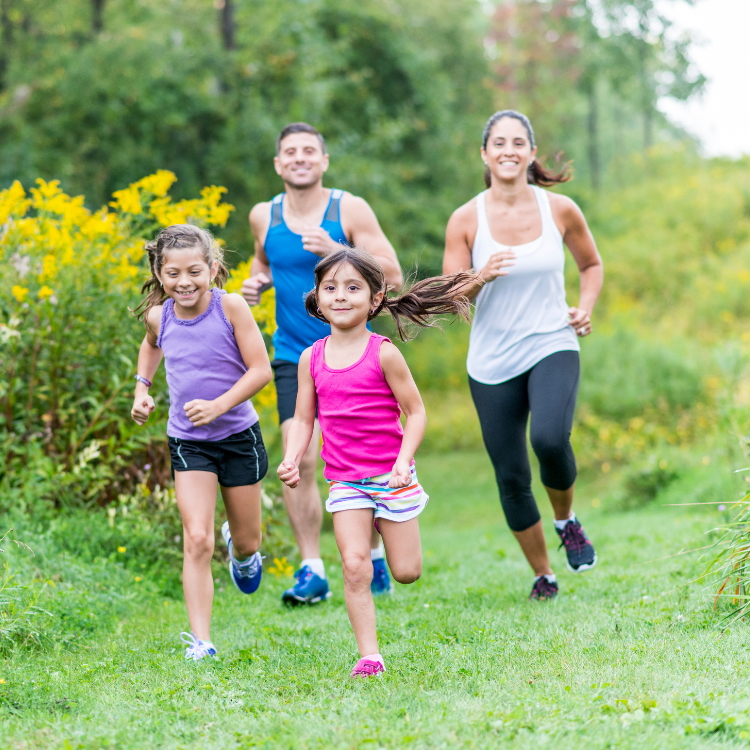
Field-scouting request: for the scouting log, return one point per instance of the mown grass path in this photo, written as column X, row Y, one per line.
column 615, row 662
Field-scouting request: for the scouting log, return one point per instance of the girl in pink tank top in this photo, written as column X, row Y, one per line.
column 360, row 385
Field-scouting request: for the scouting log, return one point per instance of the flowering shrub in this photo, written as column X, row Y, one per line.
column 68, row 343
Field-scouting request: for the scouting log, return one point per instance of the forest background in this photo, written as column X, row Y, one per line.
column 99, row 94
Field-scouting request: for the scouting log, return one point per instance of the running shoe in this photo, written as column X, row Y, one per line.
column 543, row 589
column 367, row 668
column 309, row 589
column 246, row 577
column 196, row 648
column 381, row 581
column 578, row 548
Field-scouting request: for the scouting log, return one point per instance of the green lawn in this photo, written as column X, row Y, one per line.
column 627, row 657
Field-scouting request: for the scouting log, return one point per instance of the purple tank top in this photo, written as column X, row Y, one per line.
column 202, row 361
column 358, row 414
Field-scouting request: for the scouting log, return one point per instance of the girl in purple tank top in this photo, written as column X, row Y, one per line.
column 216, row 361
column 359, row 384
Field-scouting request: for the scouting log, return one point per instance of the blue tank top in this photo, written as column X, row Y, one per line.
column 293, row 276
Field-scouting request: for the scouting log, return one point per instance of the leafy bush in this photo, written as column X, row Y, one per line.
column 68, row 344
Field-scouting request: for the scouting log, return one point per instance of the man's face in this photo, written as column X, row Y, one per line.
column 301, row 161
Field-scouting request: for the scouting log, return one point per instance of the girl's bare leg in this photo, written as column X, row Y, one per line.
column 353, row 531
column 403, row 548
column 196, row 499
column 244, row 515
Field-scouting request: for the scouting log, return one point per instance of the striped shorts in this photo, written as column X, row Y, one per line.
column 391, row 503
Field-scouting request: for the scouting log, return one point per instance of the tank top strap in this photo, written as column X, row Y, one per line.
column 317, row 356
column 333, row 212
column 483, row 225
column 166, row 314
column 276, row 217
column 545, row 209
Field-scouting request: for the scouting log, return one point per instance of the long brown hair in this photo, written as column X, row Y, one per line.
column 178, row 237
column 439, row 295
column 537, row 174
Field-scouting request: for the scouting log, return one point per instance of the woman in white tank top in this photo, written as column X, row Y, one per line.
column 523, row 351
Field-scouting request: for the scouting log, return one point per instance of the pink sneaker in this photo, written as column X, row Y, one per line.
column 367, row 668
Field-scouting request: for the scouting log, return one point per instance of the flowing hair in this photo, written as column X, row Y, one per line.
column 537, row 174
column 439, row 295
column 178, row 237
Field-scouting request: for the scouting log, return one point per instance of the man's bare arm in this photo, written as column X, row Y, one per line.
column 260, row 269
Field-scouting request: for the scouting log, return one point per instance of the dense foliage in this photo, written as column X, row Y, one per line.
column 97, row 93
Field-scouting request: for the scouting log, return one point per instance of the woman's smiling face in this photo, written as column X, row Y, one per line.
column 508, row 151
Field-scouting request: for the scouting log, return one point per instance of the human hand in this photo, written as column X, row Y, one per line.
column 201, row 412
column 252, row 288
column 288, row 472
column 580, row 319
column 142, row 408
column 316, row 240
column 400, row 474
column 498, row 265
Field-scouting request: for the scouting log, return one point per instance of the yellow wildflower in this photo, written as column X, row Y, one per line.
column 138, row 579
column 13, row 202
column 45, row 292
column 128, row 200
column 19, row 292
column 49, row 267
column 157, row 184
column 122, row 550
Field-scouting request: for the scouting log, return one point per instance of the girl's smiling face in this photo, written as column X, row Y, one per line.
column 345, row 298
column 186, row 278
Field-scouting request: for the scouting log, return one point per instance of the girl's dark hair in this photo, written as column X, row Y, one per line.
column 537, row 174
column 439, row 295
column 178, row 237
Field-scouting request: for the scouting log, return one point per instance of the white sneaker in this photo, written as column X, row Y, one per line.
column 196, row 648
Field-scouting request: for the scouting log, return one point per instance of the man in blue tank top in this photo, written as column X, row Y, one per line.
column 292, row 232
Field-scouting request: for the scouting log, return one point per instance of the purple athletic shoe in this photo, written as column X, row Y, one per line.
column 543, row 589
column 367, row 668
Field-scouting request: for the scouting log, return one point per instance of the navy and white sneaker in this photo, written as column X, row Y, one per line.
column 196, row 648
column 309, row 589
column 578, row 548
column 246, row 577
column 381, row 581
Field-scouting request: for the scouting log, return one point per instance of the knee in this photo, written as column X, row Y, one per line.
column 246, row 545
column 406, row 571
column 308, row 464
column 199, row 543
column 549, row 446
column 357, row 569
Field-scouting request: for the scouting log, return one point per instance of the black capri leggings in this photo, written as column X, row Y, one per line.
column 547, row 391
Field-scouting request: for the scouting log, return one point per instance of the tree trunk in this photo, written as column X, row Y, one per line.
column 6, row 42
column 97, row 15
column 593, row 134
column 227, row 24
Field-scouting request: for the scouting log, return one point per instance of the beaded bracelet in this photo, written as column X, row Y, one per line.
column 143, row 380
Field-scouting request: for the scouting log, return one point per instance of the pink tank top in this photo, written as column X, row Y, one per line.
column 358, row 414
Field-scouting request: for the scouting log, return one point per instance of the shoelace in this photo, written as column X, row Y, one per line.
column 303, row 575
column 572, row 536
column 250, row 569
column 196, row 648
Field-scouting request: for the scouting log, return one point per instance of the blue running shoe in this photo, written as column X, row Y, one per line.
column 309, row 589
column 381, row 581
column 246, row 577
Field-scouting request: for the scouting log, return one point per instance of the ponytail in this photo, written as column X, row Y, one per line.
column 439, row 295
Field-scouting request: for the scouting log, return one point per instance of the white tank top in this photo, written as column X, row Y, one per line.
column 520, row 318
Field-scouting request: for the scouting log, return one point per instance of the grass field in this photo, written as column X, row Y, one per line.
column 627, row 657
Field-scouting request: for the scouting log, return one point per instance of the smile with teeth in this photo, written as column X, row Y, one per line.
column 186, row 294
